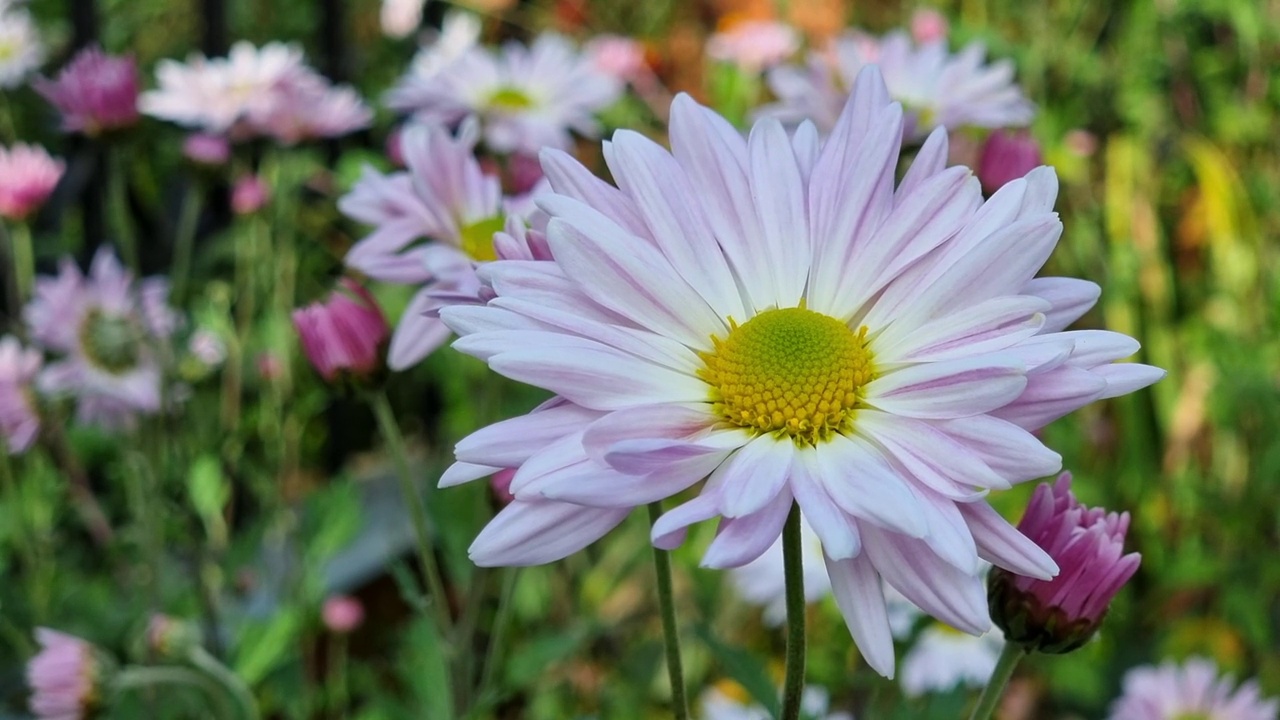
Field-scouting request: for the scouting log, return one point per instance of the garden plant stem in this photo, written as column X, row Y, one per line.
column 666, row 600
column 132, row 678
column 793, row 571
column 1010, row 656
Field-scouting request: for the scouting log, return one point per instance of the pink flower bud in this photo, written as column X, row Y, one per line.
column 1060, row 615
column 1007, row 155
column 95, row 92
column 928, row 25
column 65, row 677
column 28, row 176
column 342, row 614
column 206, row 149
column 345, row 334
column 616, row 55
column 500, row 482
column 249, row 195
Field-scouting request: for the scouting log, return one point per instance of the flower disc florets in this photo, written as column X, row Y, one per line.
column 112, row 342
column 790, row 371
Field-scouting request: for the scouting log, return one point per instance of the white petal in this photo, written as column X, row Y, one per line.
column 739, row 540
column 1011, row 452
column 755, row 474
column 858, row 592
column 837, row 531
column 864, row 485
column 599, row 379
column 988, row 326
column 1001, row 544
column 950, row 389
column 940, row 589
column 538, row 532
column 778, row 190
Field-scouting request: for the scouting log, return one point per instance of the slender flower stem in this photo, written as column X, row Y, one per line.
column 118, row 198
column 793, row 571
column 1010, row 656
column 134, row 678
column 417, row 511
column 184, row 240
column 666, row 599
column 498, row 636
column 338, row 697
column 24, row 261
column 229, row 680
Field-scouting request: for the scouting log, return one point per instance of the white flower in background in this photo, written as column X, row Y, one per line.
column 729, row 701
column 459, row 32
column 761, row 581
column 754, row 45
column 21, row 50
column 943, row 657
column 400, row 18
column 1191, row 691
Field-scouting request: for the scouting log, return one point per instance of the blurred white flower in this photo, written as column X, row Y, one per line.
column 401, row 17
column 728, row 701
column 21, row 50
column 943, row 657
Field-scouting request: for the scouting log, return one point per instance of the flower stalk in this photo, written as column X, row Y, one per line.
column 793, row 572
column 670, row 632
column 1010, row 656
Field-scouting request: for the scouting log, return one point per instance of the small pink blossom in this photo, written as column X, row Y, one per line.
column 928, row 25
column 400, row 18
column 1006, row 156
column 19, row 420
column 28, row 176
column 249, row 195
column 63, row 676
column 617, row 55
column 207, row 149
column 346, row 334
column 755, row 45
column 95, row 92
column 342, row 614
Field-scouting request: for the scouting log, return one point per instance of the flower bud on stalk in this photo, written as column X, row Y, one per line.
column 1062, row 614
column 346, row 334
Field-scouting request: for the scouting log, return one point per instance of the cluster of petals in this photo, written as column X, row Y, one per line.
column 432, row 223
column 255, row 92
column 936, row 88
column 104, row 325
column 19, row 418
column 28, row 176
column 525, row 97
column 754, row 45
column 95, row 92
column 344, row 334
column 63, row 677
column 966, row 344
column 1193, row 689
column 21, row 49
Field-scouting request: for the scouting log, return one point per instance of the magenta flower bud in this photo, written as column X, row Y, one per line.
column 65, row 677
column 28, row 176
column 345, row 334
column 1060, row 615
column 95, row 92
column 1006, row 156
column 206, row 149
column 342, row 614
column 249, row 195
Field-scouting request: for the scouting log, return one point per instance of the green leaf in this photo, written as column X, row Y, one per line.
column 209, row 493
column 746, row 669
column 265, row 646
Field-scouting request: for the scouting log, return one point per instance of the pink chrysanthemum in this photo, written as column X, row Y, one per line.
column 19, row 420
column 1191, row 691
column 104, row 325
column 775, row 316
column 64, row 677
column 28, row 176
column 95, row 92
column 936, row 88
column 345, row 334
column 446, row 199
column 754, row 45
column 525, row 97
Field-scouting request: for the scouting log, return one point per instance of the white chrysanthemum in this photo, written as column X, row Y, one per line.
column 21, row 50
column 215, row 93
column 942, row 658
column 459, row 33
column 935, row 87
column 1191, row 691
column 526, row 98
column 775, row 315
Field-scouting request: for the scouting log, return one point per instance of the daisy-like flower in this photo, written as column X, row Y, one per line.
column 305, row 106
column 65, row 677
column 942, row 658
column 1191, row 691
column 445, row 199
column 935, row 87
column 95, row 92
column 19, row 420
column 21, row 50
column 525, row 97
column 772, row 314
column 104, row 325
column 28, row 176
column 754, row 45
column 459, row 33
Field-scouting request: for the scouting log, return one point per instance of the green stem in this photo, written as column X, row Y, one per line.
column 141, row 488
column 23, row 538
column 793, row 571
column 501, row 619
column 118, row 199
column 666, row 601
column 184, row 240
column 1010, row 656
column 227, row 679
column 24, row 261
column 338, row 695
column 134, row 678
column 417, row 510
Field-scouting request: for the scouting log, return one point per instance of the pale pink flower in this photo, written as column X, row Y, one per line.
column 21, row 49
column 458, row 34
column 1192, row 690
column 777, row 315
column 105, row 326
column 1007, row 156
column 206, row 149
column 928, row 25
column 754, row 45
column 400, row 18
column 64, row 677
column 942, row 658
column 617, row 55
column 95, row 92
column 28, row 176
column 19, row 419
column 525, row 97
column 249, row 194
column 305, row 106
column 936, row 88
column 345, row 334
column 342, row 614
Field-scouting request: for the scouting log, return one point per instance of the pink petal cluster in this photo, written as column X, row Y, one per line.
column 28, row 176
column 617, row 55
column 345, row 334
column 104, row 325
column 206, row 149
column 19, row 419
column 1006, row 156
column 249, row 194
column 342, row 614
column 64, row 677
column 928, row 25
column 1193, row 689
column 754, row 45
column 95, row 92
column 255, row 92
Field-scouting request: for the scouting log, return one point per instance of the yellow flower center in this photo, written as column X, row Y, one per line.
column 477, row 238
column 112, row 342
column 1193, row 716
column 790, row 371
column 509, row 98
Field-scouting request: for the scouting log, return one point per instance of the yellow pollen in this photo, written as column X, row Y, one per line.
column 789, row 371
column 509, row 98
column 477, row 238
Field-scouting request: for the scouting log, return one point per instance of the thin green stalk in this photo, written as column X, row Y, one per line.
column 498, row 636
column 417, row 510
column 1010, row 656
column 227, row 679
column 338, row 694
column 24, row 261
column 185, row 239
column 671, row 633
column 141, row 489
column 23, row 538
column 118, row 200
column 793, row 571
column 136, row 678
